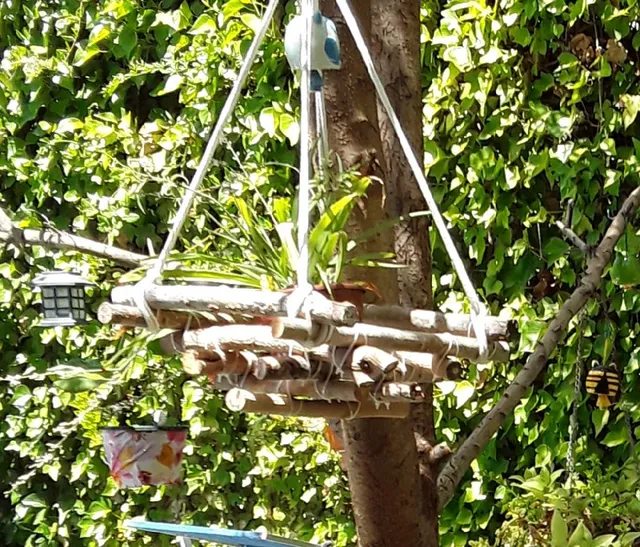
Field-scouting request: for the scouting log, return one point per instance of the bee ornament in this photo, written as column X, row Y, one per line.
column 603, row 382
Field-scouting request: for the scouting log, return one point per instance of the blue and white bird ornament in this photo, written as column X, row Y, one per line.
column 325, row 46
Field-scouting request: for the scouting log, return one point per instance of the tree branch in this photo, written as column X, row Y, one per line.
column 455, row 469
column 53, row 239
column 572, row 237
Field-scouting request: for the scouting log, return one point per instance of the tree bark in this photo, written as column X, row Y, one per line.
column 396, row 49
column 387, row 506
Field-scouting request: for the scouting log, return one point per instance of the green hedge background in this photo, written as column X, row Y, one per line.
column 104, row 108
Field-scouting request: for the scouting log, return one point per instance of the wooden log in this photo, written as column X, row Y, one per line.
column 435, row 321
column 130, row 316
column 269, row 367
column 234, row 301
column 388, row 339
column 256, row 338
column 393, row 391
column 334, row 390
column 373, row 360
column 239, row 400
column 234, row 363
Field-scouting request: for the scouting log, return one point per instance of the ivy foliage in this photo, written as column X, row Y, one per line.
column 104, row 111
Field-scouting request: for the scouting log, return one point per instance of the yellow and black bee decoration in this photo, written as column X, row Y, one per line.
column 605, row 383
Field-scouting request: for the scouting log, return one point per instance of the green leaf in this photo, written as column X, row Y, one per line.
column 554, row 249
column 69, row 125
column 21, row 397
column 33, row 500
column 460, row 56
column 521, row 36
column 604, row 540
column 127, row 40
column 581, row 536
column 559, row 530
column 631, row 105
column 625, row 271
column 600, row 418
column 463, row 392
column 79, row 384
column 269, row 121
column 627, row 539
column 99, row 33
column 617, row 435
column 173, row 83
column 204, row 25
column 290, row 128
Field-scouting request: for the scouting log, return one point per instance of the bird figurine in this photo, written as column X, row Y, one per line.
column 325, row 46
column 603, row 382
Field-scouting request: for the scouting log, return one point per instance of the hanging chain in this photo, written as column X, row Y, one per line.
column 577, row 392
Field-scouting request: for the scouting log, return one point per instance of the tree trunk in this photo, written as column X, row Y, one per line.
column 383, row 465
column 396, row 48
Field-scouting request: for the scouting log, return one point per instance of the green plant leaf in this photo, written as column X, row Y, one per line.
column 616, row 436
column 554, row 249
column 626, row 271
column 600, row 418
column 581, row 536
column 559, row 530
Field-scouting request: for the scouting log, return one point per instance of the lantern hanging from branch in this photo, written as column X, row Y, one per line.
column 63, row 298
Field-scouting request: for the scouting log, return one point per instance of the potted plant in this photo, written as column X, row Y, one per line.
column 261, row 252
column 137, row 454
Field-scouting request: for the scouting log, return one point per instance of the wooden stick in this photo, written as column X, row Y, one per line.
column 588, row 286
column 234, row 300
column 394, row 391
column 239, row 400
column 234, row 363
column 373, row 360
column 55, row 239
column 132, row 317
column 435, row 321
column 420, row 368
column 334, row 390
column 388, row 339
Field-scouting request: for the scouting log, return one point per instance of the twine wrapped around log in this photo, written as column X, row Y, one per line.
column 232, row 300
column 239, row 400
column 334, row 390
column 386, row 339
column 256, row 338
column 267, row 367
column 435, row 322
column 205, row 345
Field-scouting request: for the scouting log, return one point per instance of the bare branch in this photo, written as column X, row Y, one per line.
column 53, row 239
column 572, row 237
column 455, row 469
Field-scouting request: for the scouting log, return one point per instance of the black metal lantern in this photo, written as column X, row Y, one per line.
column 63, row 298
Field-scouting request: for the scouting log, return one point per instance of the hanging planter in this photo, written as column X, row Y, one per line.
column 144, row 455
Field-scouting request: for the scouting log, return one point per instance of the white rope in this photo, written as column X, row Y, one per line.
column 478, row 309
column 303, row 288
column 189, row 196
column 322, row 133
